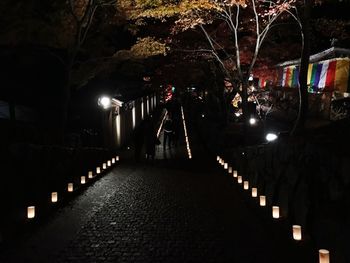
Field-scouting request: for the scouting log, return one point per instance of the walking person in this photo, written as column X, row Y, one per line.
column 168, row 129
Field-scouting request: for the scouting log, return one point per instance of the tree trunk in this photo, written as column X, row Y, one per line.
column 299, row 126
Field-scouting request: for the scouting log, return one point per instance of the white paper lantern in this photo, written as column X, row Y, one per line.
column 230, row 170
column 235, row 174
column 323, row 255
column 297, row 232
column 54, row 197
column 262, row 200
column 275, row 212
column 104, row 166
column 245, row 185
column 70, row 187
column 254, row 192
column 109, row 163
column 240, row 180
column 226, row 166
column 30, row 212
column 82, row 180
column 113, row 160
column 117, row 158
column 98, row 170
column 218, row 158
column 90, row 174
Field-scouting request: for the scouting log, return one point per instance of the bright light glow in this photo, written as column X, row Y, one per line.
column 82, row 180
column 113, row 160
column 54, row 197
column 262, row 200
column 235, row 174
column 323, row 255
column 90, row 175
column 230, row 170
column 161, row 124
column 254, row 192
column 98, row 170
column 245, row 185
column 226, row 166
column 203, row 115
column 297, row 232
column 252, row 121
column 240, row 179
column 271, row 137
column 70, row 187
column 105, row 102
column 133, row 117
column 250, row 78
column 142, row 110
column 109, row 163
column 118, row 129
column 238, row 114
column 275, row 212
column 117, row 158
column 218, row 158
column 104, row 166
column 30, row 211
column 186, row 136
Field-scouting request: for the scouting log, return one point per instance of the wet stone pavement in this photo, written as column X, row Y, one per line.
column 173, row 210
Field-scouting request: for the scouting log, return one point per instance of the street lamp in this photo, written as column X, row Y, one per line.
column 270, row 137
column 105, row 102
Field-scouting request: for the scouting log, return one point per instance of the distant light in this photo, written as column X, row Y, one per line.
column 252, row 121
column 203, row 115
column 270, row 137
column 105, row 102
column 30, row 211
column 250, row 78
column 238, row 114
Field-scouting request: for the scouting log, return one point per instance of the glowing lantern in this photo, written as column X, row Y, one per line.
column 113, row 160
column 225, row 166
column 104, row 166
column 218, row 158
column 90, row 175
column 82, row 180
column 323, row 255
column 254, row 192
column 235, row 174
column 245, row 185
column 275, row 212
column 30, row 211
column 117, row 158
column 109, row 163
column 240, row 180
column 262, row 200
column 70, row 187
column 297, row 232
column 98, row 170
column 54, row 197
column 230, row 170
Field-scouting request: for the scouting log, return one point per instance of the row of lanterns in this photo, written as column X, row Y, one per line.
column 186, row 135
column 296, row 229
column 70, row 186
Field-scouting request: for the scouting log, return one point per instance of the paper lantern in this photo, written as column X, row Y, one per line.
column 113, row 160
column 104, row 166
column 240, row 180
column 70, row 187
column 225, row 166
column 117, row 158
column 109, row 163
column 30, row 211
column 230, row 170
column 98, row 170
column 82, row 180
column 275, row 212
column 90, row 175
column 218, row 158
column 54, row 197
column 297, row 232
column 245, row 185
column 235, row 174
column 323, row 255
column 254, row 192
column 262, row 200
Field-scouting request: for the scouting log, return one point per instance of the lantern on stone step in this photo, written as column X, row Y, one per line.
column 262, row 200
column 245, row 185
column 239, row 179
column 98, row 170
column 254, row 192
column 30, row 212
column 297, row 232
column 323, row 256
column 90, row 174
column 276, row 212
column 54, row 197
column 70, row 187
column 82, row 180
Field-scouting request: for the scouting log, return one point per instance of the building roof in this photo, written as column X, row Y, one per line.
column 333, row 52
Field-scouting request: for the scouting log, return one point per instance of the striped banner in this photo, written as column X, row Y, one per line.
column 328, row 75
